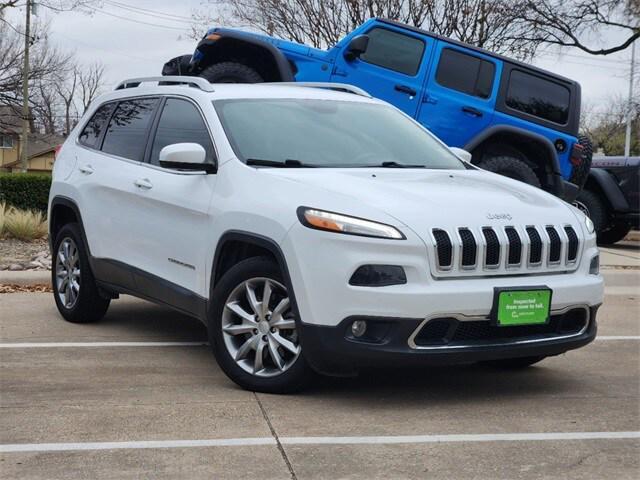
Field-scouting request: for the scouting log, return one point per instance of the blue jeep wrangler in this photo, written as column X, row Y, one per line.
column 515, row 119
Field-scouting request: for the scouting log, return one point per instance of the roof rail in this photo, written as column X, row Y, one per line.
column 197, row 82
column 340, row 87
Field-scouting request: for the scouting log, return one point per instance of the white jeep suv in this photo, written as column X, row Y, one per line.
column 312, row 228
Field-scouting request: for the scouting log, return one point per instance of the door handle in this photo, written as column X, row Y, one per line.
column 86, row 169
column 472, row 111
column 405, row 89
column 143, row 183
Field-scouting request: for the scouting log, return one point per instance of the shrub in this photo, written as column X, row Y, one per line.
column 25, row 224
column 25, row 191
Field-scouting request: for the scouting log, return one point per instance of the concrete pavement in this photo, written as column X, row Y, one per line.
column 80, row 397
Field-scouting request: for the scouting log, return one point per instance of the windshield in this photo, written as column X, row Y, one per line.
column 328, row 133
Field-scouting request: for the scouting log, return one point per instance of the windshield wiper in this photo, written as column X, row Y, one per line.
column 288, row 163
column 393, row 164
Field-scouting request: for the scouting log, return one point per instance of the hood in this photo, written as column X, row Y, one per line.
column 435, row 198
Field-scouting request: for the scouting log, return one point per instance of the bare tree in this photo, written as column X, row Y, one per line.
column 67, row 91
column 606, row 125
column 575, row 23
column 485, row 23
column 90, row 83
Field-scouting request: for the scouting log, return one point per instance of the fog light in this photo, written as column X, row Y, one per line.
column 358, row 328
column 594, row 267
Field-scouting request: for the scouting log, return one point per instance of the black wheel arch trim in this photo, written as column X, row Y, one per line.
column 207, row 46
column 557, row 187
column 61, row 200
column 610, row 189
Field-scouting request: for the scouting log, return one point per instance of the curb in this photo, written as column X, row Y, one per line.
column 29, row 277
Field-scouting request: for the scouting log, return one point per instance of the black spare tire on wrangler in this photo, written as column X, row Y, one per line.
column 230, row 72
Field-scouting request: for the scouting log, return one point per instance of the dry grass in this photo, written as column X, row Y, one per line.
column 3, row 215
column 24, row 224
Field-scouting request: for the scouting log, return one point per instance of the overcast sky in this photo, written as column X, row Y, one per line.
column 134, row 44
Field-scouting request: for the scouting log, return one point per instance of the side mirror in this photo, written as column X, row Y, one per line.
column 185, row 156
column 356, row 47
column 461, row 153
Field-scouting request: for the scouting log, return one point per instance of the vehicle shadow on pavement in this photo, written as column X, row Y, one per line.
column 457, row 384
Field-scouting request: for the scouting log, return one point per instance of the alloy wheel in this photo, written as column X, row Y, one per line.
column 68, row 273
column 259, row 328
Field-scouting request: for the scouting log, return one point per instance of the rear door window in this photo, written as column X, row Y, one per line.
column 128, row 128
column 394, row 51
column 538, row 97
column 465, row 73
column 93, row 130
column 180, row 122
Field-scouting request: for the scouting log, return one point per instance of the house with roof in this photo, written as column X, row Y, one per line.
column 40, row 148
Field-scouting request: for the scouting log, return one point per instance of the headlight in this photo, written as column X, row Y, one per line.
column 589, row 224
column 335, row 222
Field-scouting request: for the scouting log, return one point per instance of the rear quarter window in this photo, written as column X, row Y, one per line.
column 92, row 132
column 538, row 96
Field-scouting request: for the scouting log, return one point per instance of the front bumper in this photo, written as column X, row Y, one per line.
column 334, row 351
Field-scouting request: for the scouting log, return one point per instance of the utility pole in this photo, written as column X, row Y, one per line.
column 627, row 137
column 24, row 140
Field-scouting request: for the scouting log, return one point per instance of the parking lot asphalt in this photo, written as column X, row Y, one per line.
column 149, row 401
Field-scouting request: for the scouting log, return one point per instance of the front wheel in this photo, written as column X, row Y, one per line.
column 253, row 330
column 511, row 167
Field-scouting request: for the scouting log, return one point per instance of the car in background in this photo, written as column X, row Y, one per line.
column 611, row 197
column 515, row 119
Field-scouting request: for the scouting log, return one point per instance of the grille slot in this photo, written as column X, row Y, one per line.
column 492, row 256
column 469, row 247
column 444, row 248
column 555, row 245
column 572, row 253
column 535, row 252
column 515, row 246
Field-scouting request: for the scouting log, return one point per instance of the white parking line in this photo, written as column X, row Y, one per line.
column 368, row 440
column 101, row 344
column 618, row 337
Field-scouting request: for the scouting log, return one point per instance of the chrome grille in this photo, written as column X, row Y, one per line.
column 515, row 246
column 492, row 251
column 555, row 245
column 535, row 242
column 512, row 249
column 469, row 248
column 444, row 248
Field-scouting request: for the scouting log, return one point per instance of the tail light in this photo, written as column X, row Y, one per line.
column 577, row 154
column 56, row 150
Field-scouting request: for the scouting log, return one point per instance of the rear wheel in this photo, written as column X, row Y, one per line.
column 74, row 287
column 514, row 363
column 580, row 171
column 253, row 329
column 231, row 72
column 511, row 167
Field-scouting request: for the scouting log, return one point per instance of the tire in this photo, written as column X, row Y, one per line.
column 592, row 206
column 511, row 167
column 230, row 72
column 614, row 233
column 84, row 304
column 514, row 363
column 239, row 335
column 580, row 172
